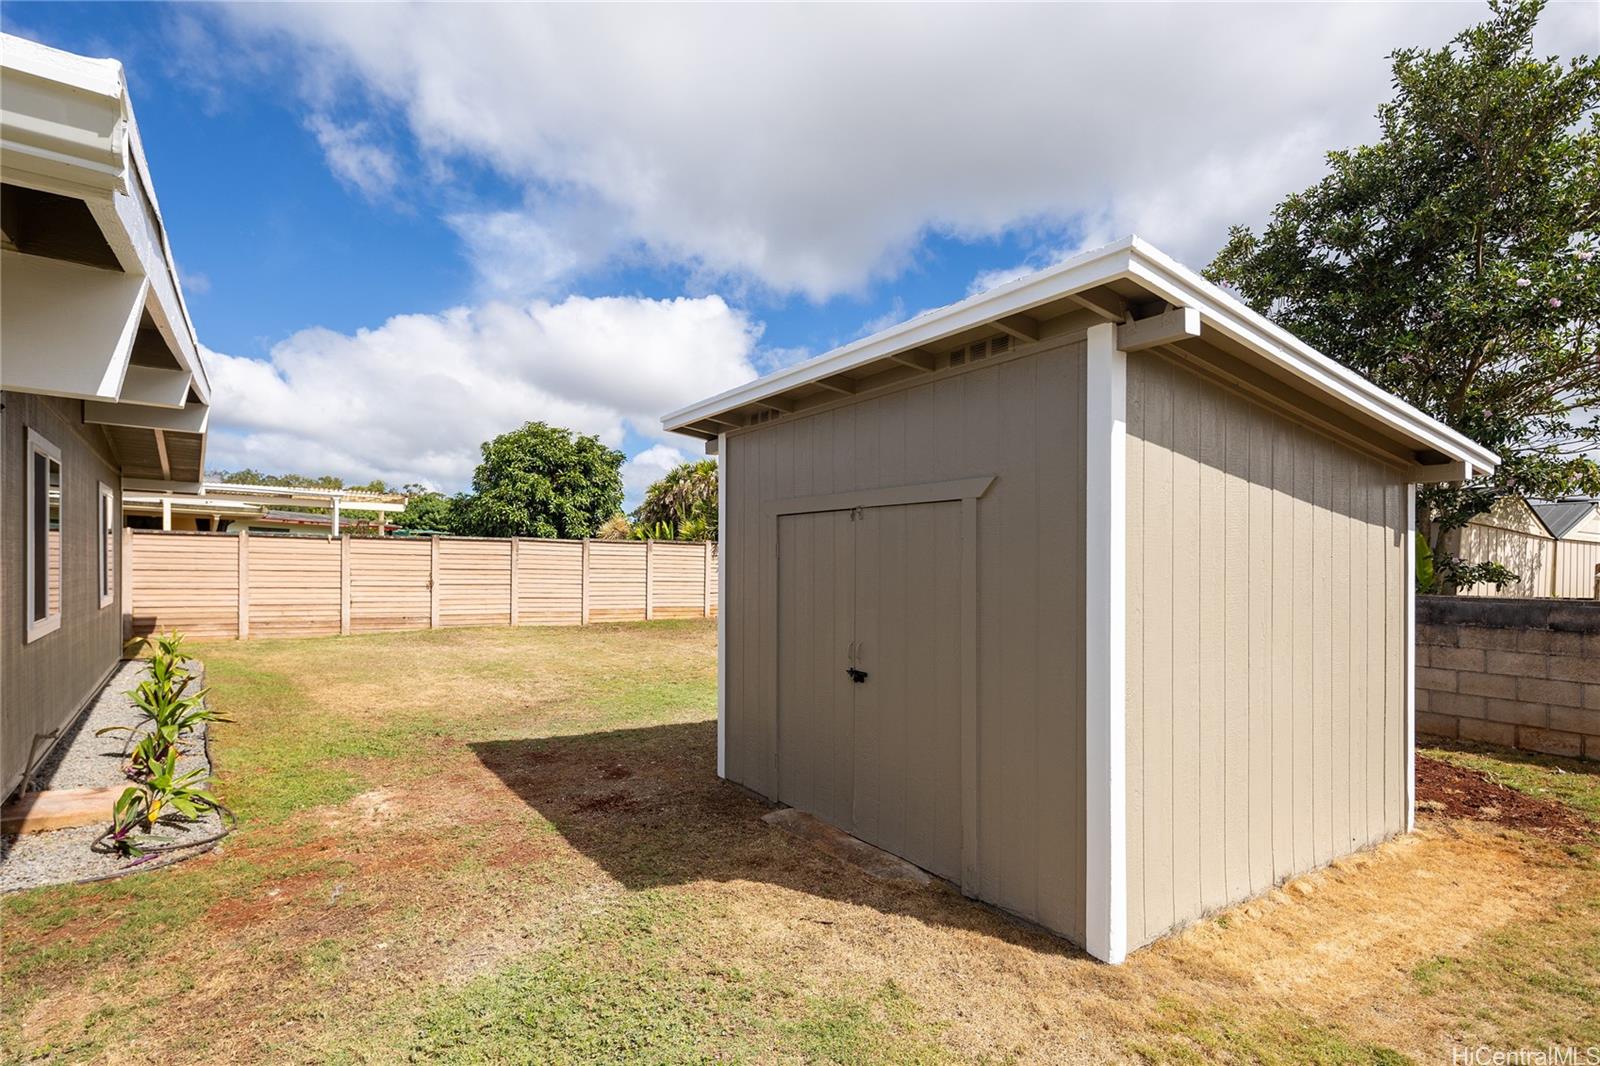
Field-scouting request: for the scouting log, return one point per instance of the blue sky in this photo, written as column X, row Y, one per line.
column 403, row 230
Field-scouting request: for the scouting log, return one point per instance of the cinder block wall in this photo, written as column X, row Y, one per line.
column 1520, row 673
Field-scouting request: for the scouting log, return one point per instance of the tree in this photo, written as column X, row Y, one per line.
column 683, row 503
column 1453, row 263
column 426, row 509
column 542, row 481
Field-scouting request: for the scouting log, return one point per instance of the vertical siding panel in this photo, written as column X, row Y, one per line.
column 1302, row 562
column 1282, row 660
column 1185, row 583
column 1376, row 639
column 1054, row 460
column 1236, row 623
column 1158, row 657
column 981, row 419
column 1263, row 570
column 1321, row 637
column 1211, row 573
column 1339, row 653
column 1073, row 622
column 1137, row 569
column 1019, row 635
column 1360, row 631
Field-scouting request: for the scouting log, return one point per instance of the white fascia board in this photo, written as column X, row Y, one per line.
column 1181, row 286
column 68, row 329
column 136, row 218
column 1081, row 272
column 61, row 119
column 191, row 418
column 155, row 387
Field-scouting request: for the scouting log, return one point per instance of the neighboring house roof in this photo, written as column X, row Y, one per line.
column 93, row 306
column 1561, row 517
column 1184, row 315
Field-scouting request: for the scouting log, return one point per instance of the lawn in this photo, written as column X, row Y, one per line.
column 511, row 846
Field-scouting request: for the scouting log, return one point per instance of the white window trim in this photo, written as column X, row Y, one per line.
column 38, row 445
column 106, row 548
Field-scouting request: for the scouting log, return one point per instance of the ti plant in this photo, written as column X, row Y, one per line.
column 167, row 713
column 141, row 805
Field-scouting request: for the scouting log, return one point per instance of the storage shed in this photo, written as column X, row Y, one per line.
column 1091, row 594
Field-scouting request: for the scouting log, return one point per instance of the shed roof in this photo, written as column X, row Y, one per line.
column 1561, row 517
column 1124, row 282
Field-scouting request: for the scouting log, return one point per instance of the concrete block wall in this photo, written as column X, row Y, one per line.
column 1518, row 673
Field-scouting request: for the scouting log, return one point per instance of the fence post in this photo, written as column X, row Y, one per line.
column 515, row 551
column 433, row 583
column 125, row 582
column 344, row 585
column 583, row 594
column 649, row 578
column 705, row 585
column 244, row 584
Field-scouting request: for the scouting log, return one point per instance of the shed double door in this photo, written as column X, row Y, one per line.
column 876, row 590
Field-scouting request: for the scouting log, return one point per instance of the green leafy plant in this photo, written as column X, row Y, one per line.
column 167, row 713
column 1455, row 262
column 163, row 793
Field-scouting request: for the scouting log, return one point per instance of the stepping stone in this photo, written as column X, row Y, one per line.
column 874, row 862
column 59, row 808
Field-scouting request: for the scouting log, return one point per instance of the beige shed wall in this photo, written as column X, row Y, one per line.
column 43, row 684
column 1019, row 418
column 1265, row 648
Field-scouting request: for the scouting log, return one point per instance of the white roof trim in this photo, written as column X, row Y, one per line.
column 44, row 144
column 1129, row 258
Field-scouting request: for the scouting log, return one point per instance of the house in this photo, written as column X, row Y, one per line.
column 1090, row 594
column 1553, row 547
column 101, row 381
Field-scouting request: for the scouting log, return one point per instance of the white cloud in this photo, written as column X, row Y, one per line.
column 355, row 158
column 412, row 399
column 646, row 468
column 809, row 148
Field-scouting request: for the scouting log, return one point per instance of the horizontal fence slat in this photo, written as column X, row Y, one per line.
column 190, row 582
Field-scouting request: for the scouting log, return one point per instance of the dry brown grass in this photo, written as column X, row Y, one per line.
column 511, row 845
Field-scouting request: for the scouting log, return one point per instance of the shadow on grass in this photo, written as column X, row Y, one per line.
column 647, row 806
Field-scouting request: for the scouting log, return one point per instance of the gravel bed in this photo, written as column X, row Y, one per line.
column 83, row 760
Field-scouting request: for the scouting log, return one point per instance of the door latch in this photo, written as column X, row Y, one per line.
column 854, row 654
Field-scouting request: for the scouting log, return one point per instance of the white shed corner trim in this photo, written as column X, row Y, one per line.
column 722, row 614
column 1105, row 631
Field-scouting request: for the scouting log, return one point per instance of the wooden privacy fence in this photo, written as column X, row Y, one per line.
column 262, row 584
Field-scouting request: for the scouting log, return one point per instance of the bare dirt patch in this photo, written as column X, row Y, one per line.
column 1457, row 792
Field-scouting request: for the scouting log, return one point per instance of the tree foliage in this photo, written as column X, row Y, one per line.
column 429, row 510
column 682, row 505
column 1453, row 262
column 541, row 481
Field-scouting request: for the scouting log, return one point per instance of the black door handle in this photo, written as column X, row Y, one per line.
column 858, row 676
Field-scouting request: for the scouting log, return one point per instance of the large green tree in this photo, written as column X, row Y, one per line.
column 1454, row 263
column 682, row 505
column 542, row 481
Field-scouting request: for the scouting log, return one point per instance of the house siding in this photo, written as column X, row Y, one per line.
column 45, row 683
column 1265, row 648
column 1020, row 419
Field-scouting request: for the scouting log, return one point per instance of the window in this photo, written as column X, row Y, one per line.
column 108, row 545
column 44, row 537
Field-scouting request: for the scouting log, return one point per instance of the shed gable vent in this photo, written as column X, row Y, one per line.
column 999, row 344
column 758, row 417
